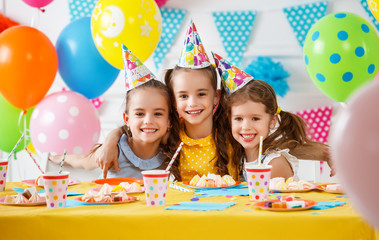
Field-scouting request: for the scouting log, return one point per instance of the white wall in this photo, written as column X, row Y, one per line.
column 271, row 36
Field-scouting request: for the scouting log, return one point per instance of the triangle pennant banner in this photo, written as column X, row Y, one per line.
column 302, row 17
column 172, row 19
column 81, row 8
column 370, row 15
column 318, row 123
column 235, row 29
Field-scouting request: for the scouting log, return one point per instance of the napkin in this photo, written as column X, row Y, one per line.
column 239, row 190
column 201, row 206
column 42, row 192
column 321, row 205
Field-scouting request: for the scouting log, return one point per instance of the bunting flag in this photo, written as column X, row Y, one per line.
column 318, row 122
column 370, row 15
column 302, row 17
column 235, row 29
column 172, row 19
column 81, row 8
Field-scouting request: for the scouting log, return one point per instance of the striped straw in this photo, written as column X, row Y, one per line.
column 62, row 162
column 180, row 188
column 174, row 157
column 260, row 151
column 14, row 149
column 34, row 160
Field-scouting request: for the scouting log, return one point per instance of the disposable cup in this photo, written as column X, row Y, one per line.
column 55, row 188
column 3, row 174
column 258, row 179
column 155, row 182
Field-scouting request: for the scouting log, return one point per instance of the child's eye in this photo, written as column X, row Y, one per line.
column 183, row 96
column 139, row 114
column 158, row 114
column 256, row 119
column 202, row 94
column 238, row 119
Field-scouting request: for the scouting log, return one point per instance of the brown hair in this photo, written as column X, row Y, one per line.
column 290, row 132
column 220, row 129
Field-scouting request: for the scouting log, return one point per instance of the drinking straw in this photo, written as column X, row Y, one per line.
column 14, row 149
column 34, row 160
column 62, row 162
column 180, row 188
column 260, row 151
column 174, row 157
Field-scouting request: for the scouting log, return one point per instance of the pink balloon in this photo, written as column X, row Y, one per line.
column 64, row 120
column 160, row 3
column 37, row 3
column 354, row 147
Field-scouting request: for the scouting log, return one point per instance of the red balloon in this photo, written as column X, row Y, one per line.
column 28, row 65
column 37, row 3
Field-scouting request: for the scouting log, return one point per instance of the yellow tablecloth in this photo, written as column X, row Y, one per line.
column 137, row 221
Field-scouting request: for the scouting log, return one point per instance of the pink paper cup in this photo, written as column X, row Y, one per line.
column 258, row 180
column 3, row 175
column 155, row 182
column 55, row 188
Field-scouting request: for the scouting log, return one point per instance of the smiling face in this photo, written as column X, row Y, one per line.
column 249, row 121
column 147, row 115
column 194, row 96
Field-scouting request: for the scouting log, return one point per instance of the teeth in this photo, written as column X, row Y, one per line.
column 148, row 130
column 248, row 135
column 194, row 112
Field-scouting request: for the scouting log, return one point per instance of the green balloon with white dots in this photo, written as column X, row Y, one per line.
column 341, row 53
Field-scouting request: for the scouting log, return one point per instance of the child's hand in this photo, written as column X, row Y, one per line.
column 106, row 158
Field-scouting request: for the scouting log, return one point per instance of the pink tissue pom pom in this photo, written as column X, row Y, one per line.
column 160, row 3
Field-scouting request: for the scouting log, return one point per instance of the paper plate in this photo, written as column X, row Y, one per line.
column 117, row 181
column 293, row 190
column 129, row 201
column 186, row 183
column 97, row 189
column 43, row 202
column 31, row 182
column 322, row 187
column 309, row 203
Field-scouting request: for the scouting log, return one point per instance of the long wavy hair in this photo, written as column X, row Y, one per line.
column 290, row 132
column 220, row 126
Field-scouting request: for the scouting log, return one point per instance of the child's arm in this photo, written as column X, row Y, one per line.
column 281, row 168
column 107, row 155
column 76, row 161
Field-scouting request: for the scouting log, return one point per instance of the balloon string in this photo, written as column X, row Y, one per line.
column 35, row 19
column 23, row 130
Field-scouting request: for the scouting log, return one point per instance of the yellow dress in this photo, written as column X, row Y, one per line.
column 198, row 156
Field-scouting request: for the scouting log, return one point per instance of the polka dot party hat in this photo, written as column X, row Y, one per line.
column 232, row 77
column 136, row 73
column 193, row 54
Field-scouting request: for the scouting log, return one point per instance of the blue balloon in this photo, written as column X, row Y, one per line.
column 81, row 66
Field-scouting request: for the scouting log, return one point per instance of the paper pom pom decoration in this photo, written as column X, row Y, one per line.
column 264, row 68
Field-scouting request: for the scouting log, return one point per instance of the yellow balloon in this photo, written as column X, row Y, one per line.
column 374, row 7
column 135, row 23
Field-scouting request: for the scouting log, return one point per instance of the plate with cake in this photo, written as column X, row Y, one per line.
column 279, row 185
column 285, row 206
column 29, row 197
column 211, row 181
column 117, row 181
column 331, row 188
column 100, row 197
column 122, row 187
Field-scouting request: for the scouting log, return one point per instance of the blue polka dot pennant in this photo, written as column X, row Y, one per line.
column 172, row 20
column 81, row 8
column 235, row 29
column 370, row 15
column 302, row 17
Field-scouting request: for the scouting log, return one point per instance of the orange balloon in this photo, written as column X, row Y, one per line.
column 28, row 65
